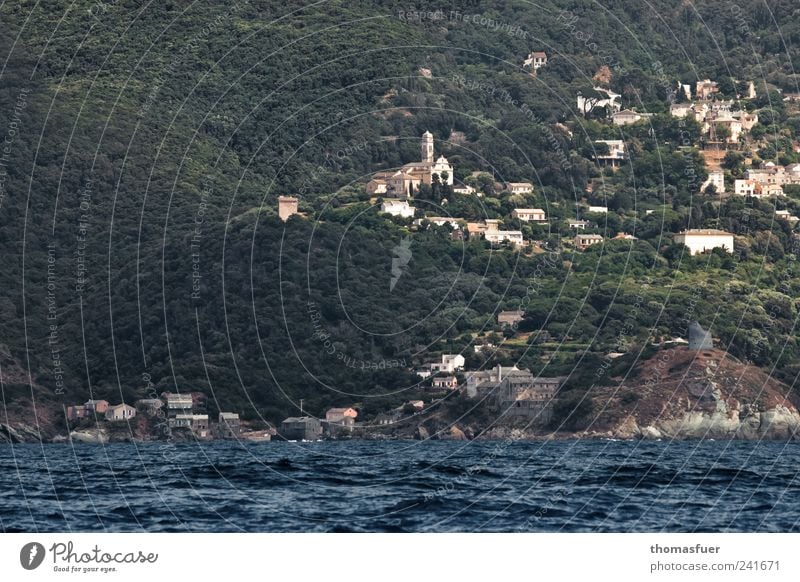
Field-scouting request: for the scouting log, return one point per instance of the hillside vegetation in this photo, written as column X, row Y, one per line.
column 151, row 141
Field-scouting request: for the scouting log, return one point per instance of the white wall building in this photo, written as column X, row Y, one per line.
column 498, row 236
column 529, row 214
column 701, row 240
column 519, row 187
column 744, row 187
column 398, row 208
column 450, row 363
column 715, row 178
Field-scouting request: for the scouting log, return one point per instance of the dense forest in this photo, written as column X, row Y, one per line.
column 146, row 144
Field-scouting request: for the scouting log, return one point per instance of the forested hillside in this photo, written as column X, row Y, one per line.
column 146, row 144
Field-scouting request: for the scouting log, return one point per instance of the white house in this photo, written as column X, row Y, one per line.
column 578, row 224
column 120, row 412
column 715, row 178
column 598, row 209
column 529, row 214
column 744, row 187
column 535, row 61
column 498, row 236
column 450, row 363
column 786, row 215
column 519, row 187
column 701, row 240
column 398, row 208
column 587, row 104
column 438, row 221
column 616, row 152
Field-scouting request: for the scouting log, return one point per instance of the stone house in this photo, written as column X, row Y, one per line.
column 584, row 241
column 447, row 382
column 523, row 394
column 301, row 428
column 197, row 423
column 179, row 404
column 149, row 406
column 510, row 317
column 96, row 406
column 705, row 89
column 341, row 414
column 228, row 425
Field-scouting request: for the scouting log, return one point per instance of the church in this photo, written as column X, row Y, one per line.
column 407, row 179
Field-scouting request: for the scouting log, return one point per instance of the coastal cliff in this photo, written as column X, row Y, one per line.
column 687, row 394
column 678, row 393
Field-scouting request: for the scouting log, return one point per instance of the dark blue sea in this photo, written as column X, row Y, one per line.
column 402, row 486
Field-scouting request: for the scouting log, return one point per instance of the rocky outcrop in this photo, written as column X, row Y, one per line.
column 453, row 434
column 690, row 394
column 19, row 434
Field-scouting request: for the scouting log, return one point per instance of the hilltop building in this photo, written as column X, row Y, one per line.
column 535, row 61
column 510, row 317
column 409, row 177
column 705, row 89
column 287, row 206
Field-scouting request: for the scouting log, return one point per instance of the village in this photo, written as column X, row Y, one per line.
column 517, row 393
column 511, row 393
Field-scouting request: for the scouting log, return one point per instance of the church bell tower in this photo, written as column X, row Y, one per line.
column 427, row 147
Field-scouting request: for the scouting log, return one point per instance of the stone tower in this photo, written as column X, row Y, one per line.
column 287, row 205
column 427, row 147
